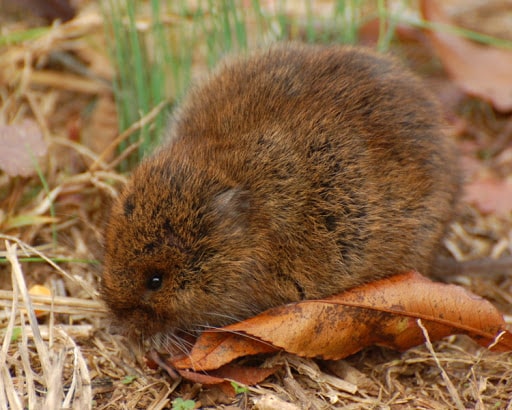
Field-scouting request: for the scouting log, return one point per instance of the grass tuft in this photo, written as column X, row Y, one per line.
column 158, row 49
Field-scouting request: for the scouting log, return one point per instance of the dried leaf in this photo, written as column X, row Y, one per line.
column 479, row 70
column 369, row 32
column 214, row 349
column 222, row 377
column 48, row 9
column 21, row 144
column 102, row 127
column 490, row 195
column 383, row 313
column 39, row 290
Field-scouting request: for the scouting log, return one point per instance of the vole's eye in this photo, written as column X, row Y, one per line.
column 155, row 281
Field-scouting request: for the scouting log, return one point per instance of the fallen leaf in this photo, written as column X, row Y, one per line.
column 487, row 17
column 103, row 121
column 221, row 376
column 491, row 195
column 21, row 144
column 246, row 375
column 369, row 32
column 480, row 70
column 383, row 313
column 214, row 349
column 47, row 9
column 40, row 290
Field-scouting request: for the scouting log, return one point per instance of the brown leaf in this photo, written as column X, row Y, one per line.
column 222, row 377
column 101, row 128
column 214, row 349
column 484, row 71
column 382, row 313
column 48, row 9
column 369, row 32
column 246, row 375
column 490, row 195
column 21, row 144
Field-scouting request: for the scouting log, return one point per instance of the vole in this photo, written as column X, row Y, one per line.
column 295, row 172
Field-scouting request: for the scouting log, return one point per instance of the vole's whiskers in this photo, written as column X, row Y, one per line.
column 172, row 342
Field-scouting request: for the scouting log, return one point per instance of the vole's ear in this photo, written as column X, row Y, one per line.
column 232, row 209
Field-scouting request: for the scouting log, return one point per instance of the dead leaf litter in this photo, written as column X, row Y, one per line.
column 67, row 358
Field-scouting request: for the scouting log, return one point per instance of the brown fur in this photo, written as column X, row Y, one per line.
column 295, row 173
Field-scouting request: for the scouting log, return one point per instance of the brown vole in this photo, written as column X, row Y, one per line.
column 294, row 173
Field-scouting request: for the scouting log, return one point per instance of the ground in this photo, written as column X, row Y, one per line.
column 52, row 218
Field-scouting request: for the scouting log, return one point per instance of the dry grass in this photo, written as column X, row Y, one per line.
column 66, row 358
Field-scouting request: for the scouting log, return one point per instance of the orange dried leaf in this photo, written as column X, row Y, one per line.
column 221, row 376
column 48, row 9
column 369, row 32
column 40, row 290
column 214, row 349
column 479, row 70
column 382, row 313
column 246, row 375
column 490, row 195
column 21, row 144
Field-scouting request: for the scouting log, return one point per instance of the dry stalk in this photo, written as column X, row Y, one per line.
column 449, row 385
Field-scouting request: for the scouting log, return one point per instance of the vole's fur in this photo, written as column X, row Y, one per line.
column 294, row 173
